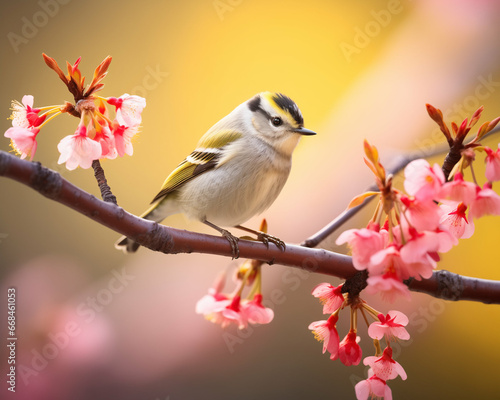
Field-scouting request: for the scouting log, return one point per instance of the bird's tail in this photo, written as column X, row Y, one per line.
column 128, row 245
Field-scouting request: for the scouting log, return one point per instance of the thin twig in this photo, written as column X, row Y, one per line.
column 171, row 241
column 106, row 193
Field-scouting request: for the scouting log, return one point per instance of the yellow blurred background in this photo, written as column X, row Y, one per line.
column 123, row 327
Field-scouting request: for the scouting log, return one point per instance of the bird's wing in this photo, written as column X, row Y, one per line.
column 204, row 158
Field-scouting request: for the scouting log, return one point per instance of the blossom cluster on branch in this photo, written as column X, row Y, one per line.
column 97, row 135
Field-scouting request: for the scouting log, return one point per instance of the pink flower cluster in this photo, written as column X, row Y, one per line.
column 96, row 137
column 420, row 225
column 390, row 327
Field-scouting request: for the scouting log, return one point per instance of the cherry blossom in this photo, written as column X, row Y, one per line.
column 458, row 190
column 385, row 367
column 330, row 296
column 389, row 287
column 455, row 221
column 78, row 150
column 23, row 140
column 326, row 332
column 256, row 313
column 349, row 351
column 487, row 202
column 391, row 325
column 423, row 181
column 492, row 164
column 363, row 244
column 123, row 135
column 24, row 115
column 372, row 387
column 422, row 214
column 128, row 108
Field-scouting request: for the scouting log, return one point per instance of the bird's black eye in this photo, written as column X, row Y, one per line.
column 277, row 121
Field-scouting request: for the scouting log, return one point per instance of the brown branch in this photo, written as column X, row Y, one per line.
column 168, row 240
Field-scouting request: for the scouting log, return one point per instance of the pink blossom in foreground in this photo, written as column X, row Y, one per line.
column 418, row 247
column 107, row 142
column 23, row 140
column 487, row 202
column 123, row 138
column 330, row 296
column 423, row 181
column 458, row 190
column 455, row 221
column 385, row 367
column 234, row 313
column 371, row 388
column 389, row 286
column 78, row 150
column 349, row 351
column 128, row 108
column 363, row 243
column 256, row 313
column 391, row 325
column 326, row 332
column 422, row 215
column 492, row 164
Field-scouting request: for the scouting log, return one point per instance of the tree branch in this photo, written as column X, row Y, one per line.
column 168, row 240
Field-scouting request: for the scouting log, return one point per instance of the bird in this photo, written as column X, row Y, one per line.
column 236, row 171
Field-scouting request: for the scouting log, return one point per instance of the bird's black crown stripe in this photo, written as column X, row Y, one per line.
column 287, row 104
column 254, row 104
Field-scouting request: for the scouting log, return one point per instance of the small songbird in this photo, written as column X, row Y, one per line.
column 237, row 170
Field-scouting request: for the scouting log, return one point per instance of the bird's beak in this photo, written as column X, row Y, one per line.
column 304, row 131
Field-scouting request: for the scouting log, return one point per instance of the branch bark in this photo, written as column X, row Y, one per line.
column 442, row 284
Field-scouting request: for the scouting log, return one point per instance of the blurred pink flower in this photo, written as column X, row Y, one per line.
column 128, row 108
column 349, row 351
column 422, row 180
column 458, row 190
column 492, row 164
column 391, row 325
column 371, row 388
column 326, row 332
column 330, row 296
column 487, row 202
column 385, row 367
column 256, row 313
column 23, row 140
column 78, row 150
column 422, row 214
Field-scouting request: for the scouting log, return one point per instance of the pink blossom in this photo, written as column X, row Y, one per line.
column 256, row 313
column 487, row 202
column 389, row 259
column 455, row 221
column 234, row 313
column 23, row 140
column 422, row 181
column 78, row 149
column 391, row 325
column 371, row 388
column 24, row 115
column 128, row 109
column 123, row 136
column 349, row 351
column 107, row 142
column 385, row 367
column 330, row 296
column 492, row 164
column 422, row 214
column 363, row 244
column 389, row 286
column 458, row 190
column 418, row 247
column 326, row 332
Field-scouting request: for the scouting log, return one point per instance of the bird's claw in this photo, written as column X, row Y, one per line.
column 266, row 238
column 233, row 241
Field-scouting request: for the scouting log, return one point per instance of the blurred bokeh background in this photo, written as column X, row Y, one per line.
column 96, row 324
